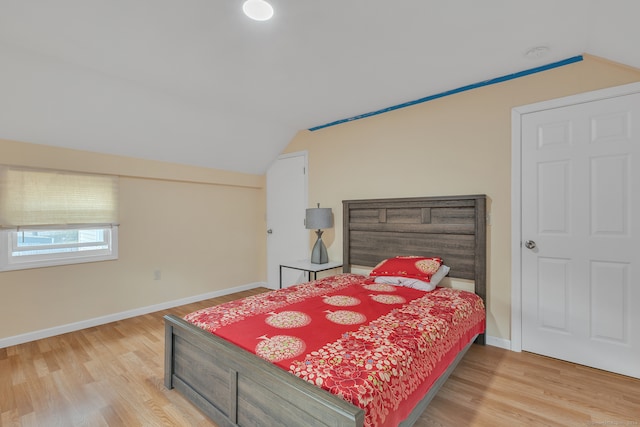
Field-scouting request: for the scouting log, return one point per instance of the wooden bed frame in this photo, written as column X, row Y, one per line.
column 237, row 388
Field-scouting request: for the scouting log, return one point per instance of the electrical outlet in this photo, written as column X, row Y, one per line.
column 157, row 275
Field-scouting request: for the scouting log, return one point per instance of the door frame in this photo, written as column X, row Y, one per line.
column 516, row 188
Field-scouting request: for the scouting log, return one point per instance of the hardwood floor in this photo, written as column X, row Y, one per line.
column 496, row 387
column 111, row 375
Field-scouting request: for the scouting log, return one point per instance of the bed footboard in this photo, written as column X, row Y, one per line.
column 234, row 387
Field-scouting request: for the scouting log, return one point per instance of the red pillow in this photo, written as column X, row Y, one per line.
column 415, row 267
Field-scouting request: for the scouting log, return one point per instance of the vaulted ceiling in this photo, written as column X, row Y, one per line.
column 197, row 82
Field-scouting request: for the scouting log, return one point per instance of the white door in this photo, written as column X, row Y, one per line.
column 287, row 238
column 581, row 233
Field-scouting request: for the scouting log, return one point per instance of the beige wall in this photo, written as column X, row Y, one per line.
column 460, row 144
column 202, row 228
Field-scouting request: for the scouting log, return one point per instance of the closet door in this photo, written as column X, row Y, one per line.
column 581, row 233
column 287, row 237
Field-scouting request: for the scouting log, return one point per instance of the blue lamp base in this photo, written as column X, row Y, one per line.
column 319, row 252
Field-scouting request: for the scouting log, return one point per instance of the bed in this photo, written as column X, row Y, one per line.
column 235, row 387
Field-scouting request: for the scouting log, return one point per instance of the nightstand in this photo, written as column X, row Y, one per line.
column 308, row 267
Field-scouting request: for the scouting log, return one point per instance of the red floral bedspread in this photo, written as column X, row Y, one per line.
column 380, row 347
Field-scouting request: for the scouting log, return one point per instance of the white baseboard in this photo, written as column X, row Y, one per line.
column 498, row 342
column 71, row 327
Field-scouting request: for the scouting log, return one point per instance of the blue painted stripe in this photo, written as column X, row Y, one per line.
column 458, row 90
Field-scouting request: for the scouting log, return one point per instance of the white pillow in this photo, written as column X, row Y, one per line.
column 439, row 275
column 415, row 283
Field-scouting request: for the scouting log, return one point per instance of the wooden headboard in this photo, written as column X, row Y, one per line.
column 452, row 227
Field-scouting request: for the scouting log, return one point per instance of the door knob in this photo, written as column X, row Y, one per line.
column 269, row 231
column 530, row 244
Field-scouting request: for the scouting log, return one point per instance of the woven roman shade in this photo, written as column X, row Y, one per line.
column 41, row 197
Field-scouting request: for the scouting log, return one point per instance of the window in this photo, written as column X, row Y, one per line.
column 56, row 217
column 32, row 248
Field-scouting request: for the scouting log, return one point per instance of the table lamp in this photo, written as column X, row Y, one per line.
column 318, row 219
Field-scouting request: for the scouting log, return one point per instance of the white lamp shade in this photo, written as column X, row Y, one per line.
column 258, row 10
column 319, row 218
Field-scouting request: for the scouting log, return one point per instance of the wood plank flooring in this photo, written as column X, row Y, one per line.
column 111, row 375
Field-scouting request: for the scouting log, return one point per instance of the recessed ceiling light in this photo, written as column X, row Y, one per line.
column 537, row 52
column 258, row 10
